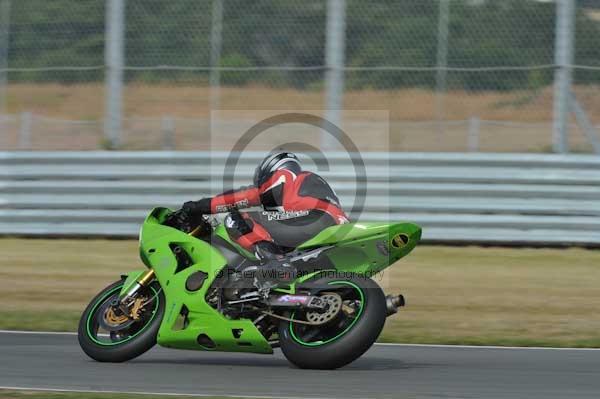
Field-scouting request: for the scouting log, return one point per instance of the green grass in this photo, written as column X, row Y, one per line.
column 7, row 394
column 455, row 295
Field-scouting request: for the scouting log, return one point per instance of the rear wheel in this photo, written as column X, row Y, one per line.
column 354, row 319
column 106, row 334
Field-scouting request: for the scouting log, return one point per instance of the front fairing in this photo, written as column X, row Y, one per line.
column 156, row 250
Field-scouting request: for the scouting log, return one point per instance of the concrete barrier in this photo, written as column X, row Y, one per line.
column 515, row 199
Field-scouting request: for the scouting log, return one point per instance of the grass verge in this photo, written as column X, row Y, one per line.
column 8, row 394
column 455, row 295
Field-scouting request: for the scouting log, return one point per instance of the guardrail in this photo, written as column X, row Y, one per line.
column 458, row 198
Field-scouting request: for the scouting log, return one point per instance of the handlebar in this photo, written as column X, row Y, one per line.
column 194, row 226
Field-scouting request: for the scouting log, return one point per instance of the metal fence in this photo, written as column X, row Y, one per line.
column 458, row 198
column 455, row 75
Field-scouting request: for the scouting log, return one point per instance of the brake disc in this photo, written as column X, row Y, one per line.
column 334, row 305
column 112, row 320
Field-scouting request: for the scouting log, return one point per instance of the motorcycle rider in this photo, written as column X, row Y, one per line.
column 296, row 205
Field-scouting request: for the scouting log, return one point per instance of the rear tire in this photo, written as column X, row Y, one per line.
column 349, row 344
column 140, row 342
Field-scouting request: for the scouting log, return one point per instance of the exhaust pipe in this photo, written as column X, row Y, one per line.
column 393, row 302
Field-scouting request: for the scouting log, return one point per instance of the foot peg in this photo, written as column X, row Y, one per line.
column 393, row 302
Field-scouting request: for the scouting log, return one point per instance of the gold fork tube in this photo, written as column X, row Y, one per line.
column 146, row 278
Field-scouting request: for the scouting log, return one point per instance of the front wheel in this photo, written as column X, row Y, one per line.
column 106, row 334
column 353, row 320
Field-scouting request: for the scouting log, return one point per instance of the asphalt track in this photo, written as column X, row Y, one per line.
column 54, row 361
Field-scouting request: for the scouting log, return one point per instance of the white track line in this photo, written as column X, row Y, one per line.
column 377, row 344
column 488, row 347
column 176, row 394
column 37, row 332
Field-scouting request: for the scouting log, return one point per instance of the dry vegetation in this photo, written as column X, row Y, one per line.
column 86, row 101
column 8, row 394
column 455, row 295
column 407, row 108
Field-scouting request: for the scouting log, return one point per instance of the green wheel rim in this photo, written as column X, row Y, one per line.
column 348, row 328
column 100, row 301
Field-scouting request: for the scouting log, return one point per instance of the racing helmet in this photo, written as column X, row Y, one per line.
column 273, row 162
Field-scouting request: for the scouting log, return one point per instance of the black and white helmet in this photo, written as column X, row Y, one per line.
column 273, row 162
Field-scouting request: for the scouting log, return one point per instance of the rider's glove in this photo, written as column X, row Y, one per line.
column 198, row 208
column 189, row 216
column 181, row 220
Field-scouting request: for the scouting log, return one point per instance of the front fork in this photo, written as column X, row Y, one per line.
column 134, row 282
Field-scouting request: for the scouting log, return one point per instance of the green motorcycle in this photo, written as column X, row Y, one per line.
column 197, row 293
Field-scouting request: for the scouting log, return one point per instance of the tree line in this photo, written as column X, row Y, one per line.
column 379, row 33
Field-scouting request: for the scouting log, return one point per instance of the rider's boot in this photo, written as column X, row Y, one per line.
column 275, row 267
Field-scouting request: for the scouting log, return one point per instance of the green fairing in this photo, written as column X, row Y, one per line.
column 366, row 247
column 203, row 319
column 357, row 247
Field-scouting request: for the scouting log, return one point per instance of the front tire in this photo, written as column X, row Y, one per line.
column 122, row 344
column 319, row 349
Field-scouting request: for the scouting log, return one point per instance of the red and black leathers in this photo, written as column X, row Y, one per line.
column 294, row 209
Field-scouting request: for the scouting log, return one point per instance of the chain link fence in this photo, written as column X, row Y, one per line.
column 454, row 75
